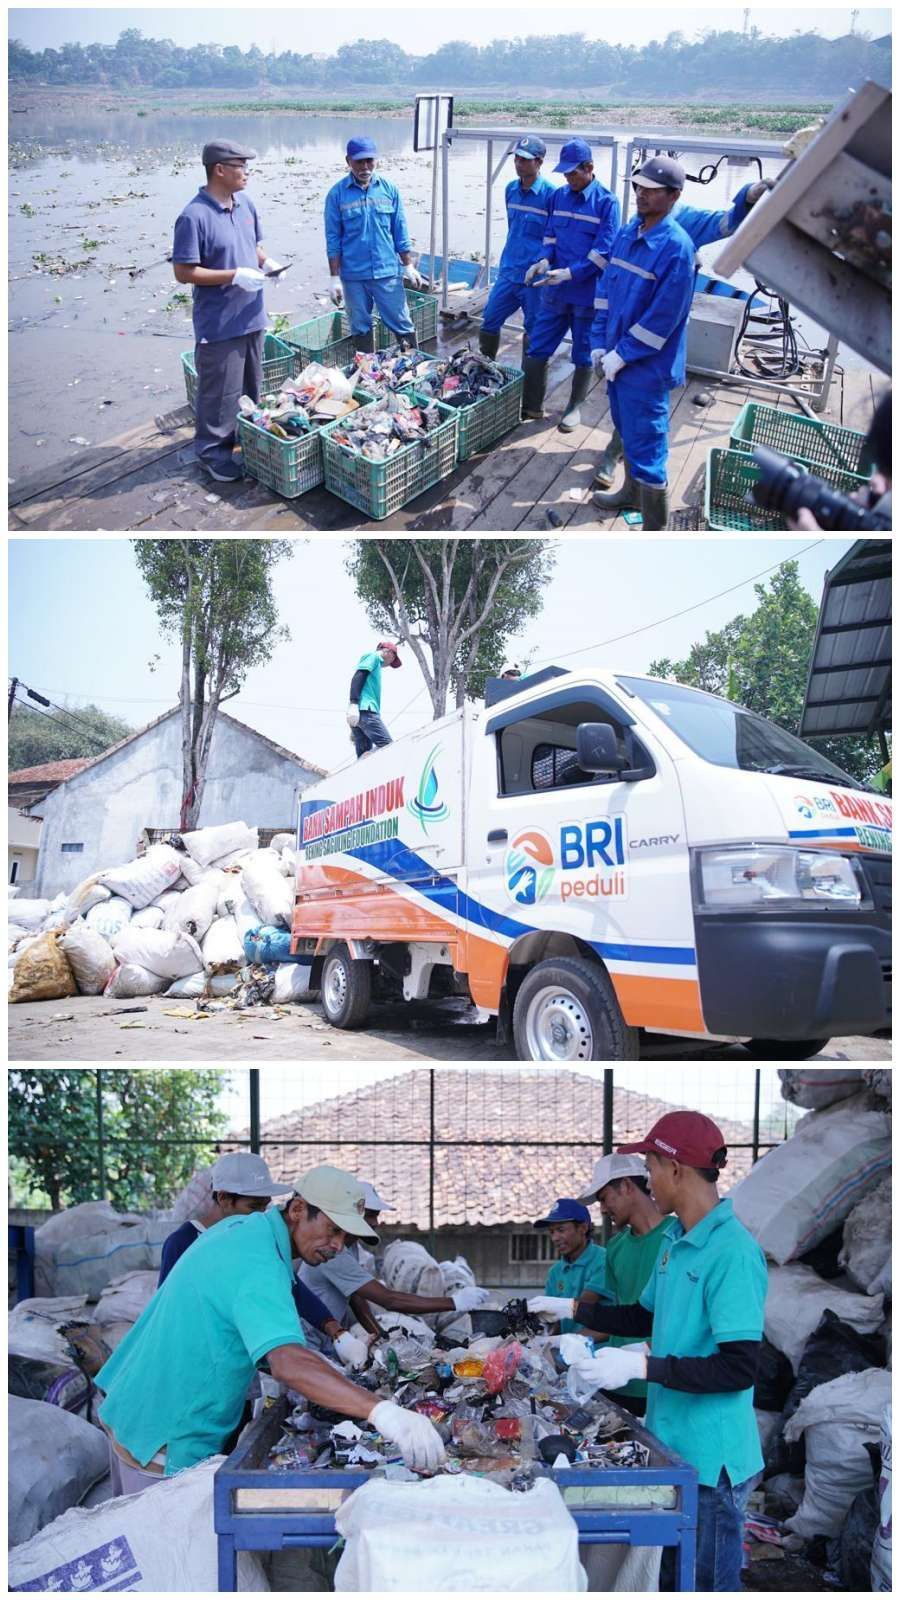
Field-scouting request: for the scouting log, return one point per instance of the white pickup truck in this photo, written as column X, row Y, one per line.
column 595, row 855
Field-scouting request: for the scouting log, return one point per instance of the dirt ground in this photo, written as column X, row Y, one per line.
column 156, row 1029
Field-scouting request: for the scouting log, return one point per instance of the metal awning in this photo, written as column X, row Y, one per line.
column 849, row 685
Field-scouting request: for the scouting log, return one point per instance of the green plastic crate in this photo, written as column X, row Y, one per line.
column 730, row 475
column 815, row 444
column 423, row 308
column 277, row 364
column 380, row 488
column 289, row 466
column 326, row 339
column 491, row 417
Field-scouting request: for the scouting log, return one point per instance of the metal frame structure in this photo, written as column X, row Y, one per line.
column 306, row 1522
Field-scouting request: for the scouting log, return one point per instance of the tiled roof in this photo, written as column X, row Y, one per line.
column 50, row 772
column 548, row 1126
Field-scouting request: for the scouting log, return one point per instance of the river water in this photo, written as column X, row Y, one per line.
column 95, row 352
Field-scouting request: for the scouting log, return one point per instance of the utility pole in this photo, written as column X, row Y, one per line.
column 746, row 23
column 13, row 686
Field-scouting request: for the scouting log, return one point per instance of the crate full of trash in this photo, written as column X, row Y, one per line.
column 277, row 364
column 814, row 444
column 423, row 308
column 281, row 438
column 404, row 444
column 490, row 417
column 487, row 396
column 326, row 339
column 730, row 476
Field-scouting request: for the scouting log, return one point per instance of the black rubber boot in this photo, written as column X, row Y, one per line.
column 654, row 506
column 489, row 344
column 524, row 349
column 364, row 342
column 581, row 382
column 627, row 498
column 534, row 388
column 606, row 466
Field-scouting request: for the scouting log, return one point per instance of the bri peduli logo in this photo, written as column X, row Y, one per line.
column 427, row 805
column 805, row 806
column 529, row 867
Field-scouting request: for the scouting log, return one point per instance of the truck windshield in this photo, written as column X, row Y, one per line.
column 728, row 736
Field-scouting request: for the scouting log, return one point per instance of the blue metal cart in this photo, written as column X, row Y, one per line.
column 258, row 1509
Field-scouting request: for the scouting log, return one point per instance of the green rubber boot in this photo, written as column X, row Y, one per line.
column 654, row 507
column 606, row 466
column 364, row 342
column 628, row 498
column 534, row 388
column 581, row 382
column 489, row 344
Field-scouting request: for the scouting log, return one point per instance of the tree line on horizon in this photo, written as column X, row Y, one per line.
column 717, row 61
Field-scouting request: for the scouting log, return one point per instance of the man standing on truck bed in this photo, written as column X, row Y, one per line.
column 367, row 730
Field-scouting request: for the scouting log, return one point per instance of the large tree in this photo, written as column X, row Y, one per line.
column 455, row 602
column 36, row 737
column 762, row 662
column 214, row 596
column 53, row 1132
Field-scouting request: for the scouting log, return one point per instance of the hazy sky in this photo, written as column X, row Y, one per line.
column 418, row 28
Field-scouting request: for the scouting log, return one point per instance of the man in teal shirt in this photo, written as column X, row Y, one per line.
column 367, row 730
column 580, row 1272
column 704, row 1309
column 175, row 1386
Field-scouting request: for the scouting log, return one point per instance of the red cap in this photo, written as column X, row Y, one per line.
column 685, row 1136
column 388, row 644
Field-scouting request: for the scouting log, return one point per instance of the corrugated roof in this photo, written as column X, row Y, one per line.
column 49, row 772
column 849, row 685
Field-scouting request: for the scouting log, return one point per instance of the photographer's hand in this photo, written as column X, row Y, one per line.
column 805, row 520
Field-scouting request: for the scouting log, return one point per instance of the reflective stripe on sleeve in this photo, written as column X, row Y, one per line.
column 597, row 258
column 579, row 216
column 646, row 337
column 549, row 238
column 533, row 211
column 616, row 261
column 724, row 228
column 601, row 305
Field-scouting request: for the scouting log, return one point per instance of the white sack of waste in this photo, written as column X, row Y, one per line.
column 81, row 1250
column 125, row 1298
column 203, row 985
column 866, row 1247
column 222, row 948
column 168, row 898
column 56, row 1458
column 881, row 1549
column 90, row 957
column 282, row 841
column 207, row 846
column 195, row 909
column 456, row 1275
column 236, row 858
column 42, row 972
column 290, row 860
column 270, row 893
column 815, row 1089
column 31, row 1329
column 291, row 983
column 31, row 914
column 231, row 894
column 170, row 955
column 797, row 1299
column 879, row 1081
column 56, row 919
column 88, row 893
column 191, row 870
column 14, row 933
column 194, row 1199
column 150, row 917
column 133, row 982
column 159, row 1541
column 838, row 1419
column 141, row 880
column 803, row 1189
column 480, row 1536
column 110, row 916
column 245, row 915
column 408, row 1268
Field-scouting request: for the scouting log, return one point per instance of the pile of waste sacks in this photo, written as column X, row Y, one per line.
column 378, row 431
column 458, row 380
column 202, row 915
column 302, row 404
column 819, row 1204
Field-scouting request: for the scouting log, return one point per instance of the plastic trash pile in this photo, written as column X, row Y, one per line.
column 302, row 404
column 459, row 380
column 201, row 916
column 378, row 431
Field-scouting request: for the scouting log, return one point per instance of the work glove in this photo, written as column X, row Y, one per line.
column 270, row 266
column 352, row 1351
column 337, row 291
column 612, row 363
column 419, row 1442
column 552, row 1307
column 353, row 716
column 610, row 1367
column 469, row 1299
column 250, row 279
column 558, row 275
column 537, row 270
column 412, row 276
column 757, row 190
column 597, row 358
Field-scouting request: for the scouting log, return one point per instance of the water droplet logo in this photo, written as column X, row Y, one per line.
column 805, row 806
column 529, row 867
column 428, row 806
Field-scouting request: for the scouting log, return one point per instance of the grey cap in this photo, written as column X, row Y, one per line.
column 609, row 1168
column 225, row 150
column 660, row 172
column 243, row 1173
column 373, row 1200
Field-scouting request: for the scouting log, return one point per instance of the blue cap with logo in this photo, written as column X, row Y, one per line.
column 565, row 1211
column 572, row 154
column 531, row 146
column 359, row 148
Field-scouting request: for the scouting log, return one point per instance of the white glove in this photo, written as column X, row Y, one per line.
column 337, row 291
column 559, row 275
column 552, row 1307
column 270, row 265
column 537, row 270
column 412, row 276
column 352, row 1351
column 611, row 1367
column 250, row 279
column 597, row 358
column 353, row 716
column 420, row 1443
column 612, row 363
column 469, row 1299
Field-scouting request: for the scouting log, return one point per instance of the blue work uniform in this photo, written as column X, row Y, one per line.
column 527, row 214
column 366, row 228
column 309, row 1306
column 580, row 230
column 707, row 227
column 570, row 1279
column 641, row 311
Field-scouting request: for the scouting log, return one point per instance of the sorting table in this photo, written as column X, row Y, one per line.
column 255, row 1508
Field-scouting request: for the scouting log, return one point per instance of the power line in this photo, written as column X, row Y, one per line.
column 61, row 722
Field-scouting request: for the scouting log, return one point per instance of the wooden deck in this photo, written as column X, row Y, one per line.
column 534, row 480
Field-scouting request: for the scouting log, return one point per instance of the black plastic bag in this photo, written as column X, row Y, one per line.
column 823, row 1257
column 831, row 1351
column 858, row 1533
column 774, row 1378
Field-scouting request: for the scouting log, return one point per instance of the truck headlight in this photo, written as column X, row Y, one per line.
column 776, row 875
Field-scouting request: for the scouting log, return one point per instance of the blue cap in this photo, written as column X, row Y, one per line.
column 572, row 154
column 565, row 1211
column 531, row 146
column 358, row 148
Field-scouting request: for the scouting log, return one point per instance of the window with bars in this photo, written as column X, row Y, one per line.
column 71, row 849
column 530, row 1247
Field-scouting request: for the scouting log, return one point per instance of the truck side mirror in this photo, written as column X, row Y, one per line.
column 596, row 748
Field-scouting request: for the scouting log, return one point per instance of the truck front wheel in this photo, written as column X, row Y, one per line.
column 566, row 1010
column 346, row 988
column 784, row 1049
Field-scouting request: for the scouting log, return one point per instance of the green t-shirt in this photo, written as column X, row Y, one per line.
column 370, row 699
column 630, row 1263
column 571, row 1278
column 180, row 1377
column 709, row 1287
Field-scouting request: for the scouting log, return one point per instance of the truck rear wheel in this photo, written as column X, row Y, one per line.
column 784, row 1049
column 346, row 988
column 566, row 1010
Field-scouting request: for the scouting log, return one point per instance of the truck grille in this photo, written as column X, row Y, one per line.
column 878, row 876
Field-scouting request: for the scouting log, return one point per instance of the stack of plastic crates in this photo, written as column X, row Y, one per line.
column 277, row 364
column 380, row 488
column 832, row 453
column 423, row 308
column 489, row 418
column 289, row 466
